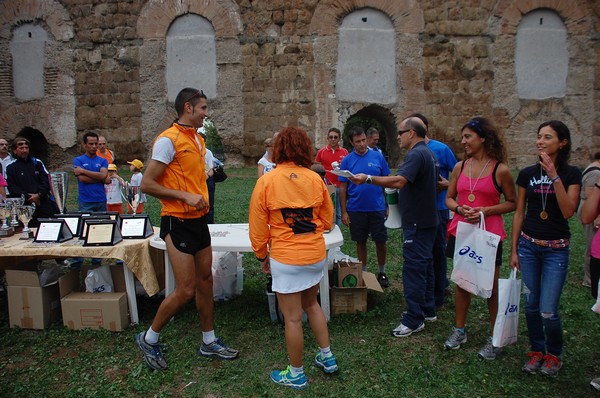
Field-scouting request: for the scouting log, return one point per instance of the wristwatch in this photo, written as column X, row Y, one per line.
column 369, row 180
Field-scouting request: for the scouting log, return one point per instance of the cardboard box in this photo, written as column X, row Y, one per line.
column 348, row 300
column 82, row 310
column 31, row 305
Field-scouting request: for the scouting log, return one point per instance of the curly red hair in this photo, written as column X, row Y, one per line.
column 293, row 145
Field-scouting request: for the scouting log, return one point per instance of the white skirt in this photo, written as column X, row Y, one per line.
column 296, row 278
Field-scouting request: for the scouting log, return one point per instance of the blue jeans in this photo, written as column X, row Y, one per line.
column 440, row 265
column 544, row 271
column 417, row 274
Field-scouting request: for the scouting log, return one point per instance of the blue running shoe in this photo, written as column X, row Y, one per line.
column 329, row 364
column 218, row 349
column 285, row 378
column 152, row 353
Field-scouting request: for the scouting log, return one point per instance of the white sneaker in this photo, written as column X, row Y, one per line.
column 405, row 331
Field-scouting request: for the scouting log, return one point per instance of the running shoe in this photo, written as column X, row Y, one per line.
column 328, row 365
column 456, row 339
column 217, row 349
column 152, row 353
column 536, row 359
column 285, row 378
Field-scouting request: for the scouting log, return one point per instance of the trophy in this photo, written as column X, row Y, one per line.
column 25, row 215
column 5, row 229
column 14, row 204
column 131, row 194
column 60, row 188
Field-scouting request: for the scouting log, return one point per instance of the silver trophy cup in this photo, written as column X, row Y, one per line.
column 5, row 210
column 14, row 204
column 60, row 188
column 25, row 214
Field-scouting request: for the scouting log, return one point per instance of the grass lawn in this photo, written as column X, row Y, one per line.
column 90, row 363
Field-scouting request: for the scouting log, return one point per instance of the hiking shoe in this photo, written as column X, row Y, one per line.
column 536, row 359
column 285, row 378
column 217, row 349
column 489, row 352
column 383, row 280
column 152, row 353
column 551, row 365
column 404, row 331
column 329, row 364
column 456, row 338
column 595, row 384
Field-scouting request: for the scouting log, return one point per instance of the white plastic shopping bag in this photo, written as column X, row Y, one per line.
column 475, row 258
column 506, row 327
column 99, row 280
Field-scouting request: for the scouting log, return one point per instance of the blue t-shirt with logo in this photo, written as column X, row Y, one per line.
column 365, row 197
column 91, row 193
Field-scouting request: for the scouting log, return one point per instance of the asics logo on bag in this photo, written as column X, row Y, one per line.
column 471, row 253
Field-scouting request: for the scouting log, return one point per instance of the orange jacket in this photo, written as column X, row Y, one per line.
column 289, row 210
column 185, row 172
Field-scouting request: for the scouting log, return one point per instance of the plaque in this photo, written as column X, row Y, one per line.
column 113, row 215
column 89, row 217
column 73, row 221
column 135, row 226
column 101, row 232
column 52, row 230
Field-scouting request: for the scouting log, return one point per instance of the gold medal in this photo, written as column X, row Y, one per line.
column 544, row 215
column 471, row 197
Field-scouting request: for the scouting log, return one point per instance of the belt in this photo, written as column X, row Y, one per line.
column 554, row 244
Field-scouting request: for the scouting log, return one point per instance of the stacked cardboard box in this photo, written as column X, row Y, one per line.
column 350, row 286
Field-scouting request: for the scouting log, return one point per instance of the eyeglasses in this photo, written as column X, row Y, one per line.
column 333, row 137
column 196, row 94
column 400, row 132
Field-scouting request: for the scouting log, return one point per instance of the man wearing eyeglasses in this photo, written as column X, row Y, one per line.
column 333, row 152
column 176, row 175
column 416, row 180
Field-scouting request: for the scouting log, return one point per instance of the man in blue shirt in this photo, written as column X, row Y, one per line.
column 446, row 161
column 91, row 171
column 363, row 206
column 416, row 180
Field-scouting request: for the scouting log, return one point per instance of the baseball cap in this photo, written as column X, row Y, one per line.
column 137, row 164
column 112, row 167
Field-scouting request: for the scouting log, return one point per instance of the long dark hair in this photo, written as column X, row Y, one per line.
column 563, row 133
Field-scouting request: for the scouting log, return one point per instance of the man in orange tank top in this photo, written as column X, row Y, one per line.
column 175, row 175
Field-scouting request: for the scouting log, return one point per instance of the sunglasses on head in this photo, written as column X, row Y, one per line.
column 196, row 94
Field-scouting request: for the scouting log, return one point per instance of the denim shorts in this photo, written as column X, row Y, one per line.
column 364, row 223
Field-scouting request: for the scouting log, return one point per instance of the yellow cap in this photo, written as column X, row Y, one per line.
column 112, row 167
column 137, row 164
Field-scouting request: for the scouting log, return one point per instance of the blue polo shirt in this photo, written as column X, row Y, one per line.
column 365, row 197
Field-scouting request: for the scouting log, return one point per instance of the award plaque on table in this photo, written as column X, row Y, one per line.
column 102, row 232
column 135, row 226
column 112, row 214
column 90, row 217
column 52, row 230
column 73, row 221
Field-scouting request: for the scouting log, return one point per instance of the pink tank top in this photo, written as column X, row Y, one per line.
column 486, row 195
column 595, row 247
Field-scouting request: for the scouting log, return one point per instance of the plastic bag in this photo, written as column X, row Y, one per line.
column 226, row 269
column 99, row 280
column 506, row 327
column 475, row 258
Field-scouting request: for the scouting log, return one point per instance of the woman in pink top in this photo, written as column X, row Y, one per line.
column 589, row 212
column 475, row 187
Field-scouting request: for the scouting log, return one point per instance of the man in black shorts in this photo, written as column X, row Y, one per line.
column 176, row 176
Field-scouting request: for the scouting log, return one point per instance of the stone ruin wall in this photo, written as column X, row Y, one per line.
column 105, row 71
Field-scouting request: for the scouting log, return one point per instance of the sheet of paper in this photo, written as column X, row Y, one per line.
column 48, row 231
column 101, row 233
column 133, row 226
column 342, row 173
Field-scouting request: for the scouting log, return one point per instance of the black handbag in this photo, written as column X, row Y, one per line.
column 219, row 174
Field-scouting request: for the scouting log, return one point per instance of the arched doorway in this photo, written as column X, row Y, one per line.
column 38, row 145
column 385, row 122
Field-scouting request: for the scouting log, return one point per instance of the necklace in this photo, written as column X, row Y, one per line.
column 471, row 196
column 544, row 193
